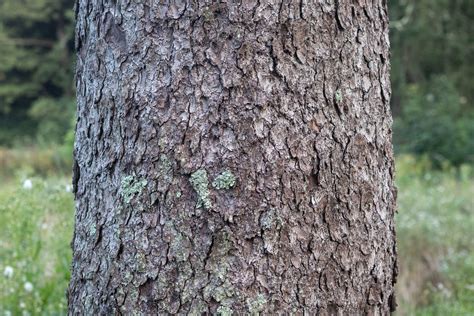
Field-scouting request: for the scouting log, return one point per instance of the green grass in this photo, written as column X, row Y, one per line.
column 35, row 233
column 435, row 230
column 434, row 227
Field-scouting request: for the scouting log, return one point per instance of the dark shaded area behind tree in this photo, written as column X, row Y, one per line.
column 432, row 76
column 36, row 71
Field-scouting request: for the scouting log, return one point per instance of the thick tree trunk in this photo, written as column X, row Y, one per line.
column 233, row 157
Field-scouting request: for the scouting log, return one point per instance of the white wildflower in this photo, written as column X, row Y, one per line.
column 28, row 287
column 8, row 313
column 8, row 272
column 27, row 184
column 22, row 305
column 68, row 188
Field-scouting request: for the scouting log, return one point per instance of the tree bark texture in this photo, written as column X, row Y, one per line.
column 233, row 157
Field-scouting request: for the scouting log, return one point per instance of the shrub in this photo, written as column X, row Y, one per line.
column 34, row 161
column 436, row 122
column 53, row 119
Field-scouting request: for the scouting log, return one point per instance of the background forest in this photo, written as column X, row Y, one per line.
column 432, row 102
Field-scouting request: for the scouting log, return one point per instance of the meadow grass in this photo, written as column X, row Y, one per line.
column 35, row 232
column 435, row 235
column 435, row 221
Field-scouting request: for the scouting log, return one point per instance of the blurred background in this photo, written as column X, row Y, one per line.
column 432, row 102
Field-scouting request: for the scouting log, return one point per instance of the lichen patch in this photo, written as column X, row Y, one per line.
column 224, row 310
column 130, row 186
column 200, row 183
column 257, row 304
column 224, row 181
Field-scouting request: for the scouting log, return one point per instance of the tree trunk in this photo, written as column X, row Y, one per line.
column 233, row 157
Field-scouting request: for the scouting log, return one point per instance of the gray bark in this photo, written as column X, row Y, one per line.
column 233, row 157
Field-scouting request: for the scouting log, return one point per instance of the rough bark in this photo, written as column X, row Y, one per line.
column 233, row 157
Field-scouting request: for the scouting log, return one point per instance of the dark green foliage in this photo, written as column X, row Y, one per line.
column 432, row 78
column 434, row 123
column 36, row 70
column 53, row 118
column 430, row 38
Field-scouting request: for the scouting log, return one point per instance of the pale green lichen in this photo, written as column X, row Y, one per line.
column 200, row 183
column 223, row 245
column 178, row 248
column 257, row 305
column 179, row 244
column 130, row 186
column 221, row 271
column 270, row 219
column 267, row 220
column 224, row 181
column 92, row 229
column 165, row 165
column 208, row 14
column 338, row 96
column 178, row 194
column 224, row 310
column 222, row 292
column 224, row 242
column 198, row 309
column 132, row 294
column 162, row 144
column 140, row 260
column 220, row 288
column 127, row 276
